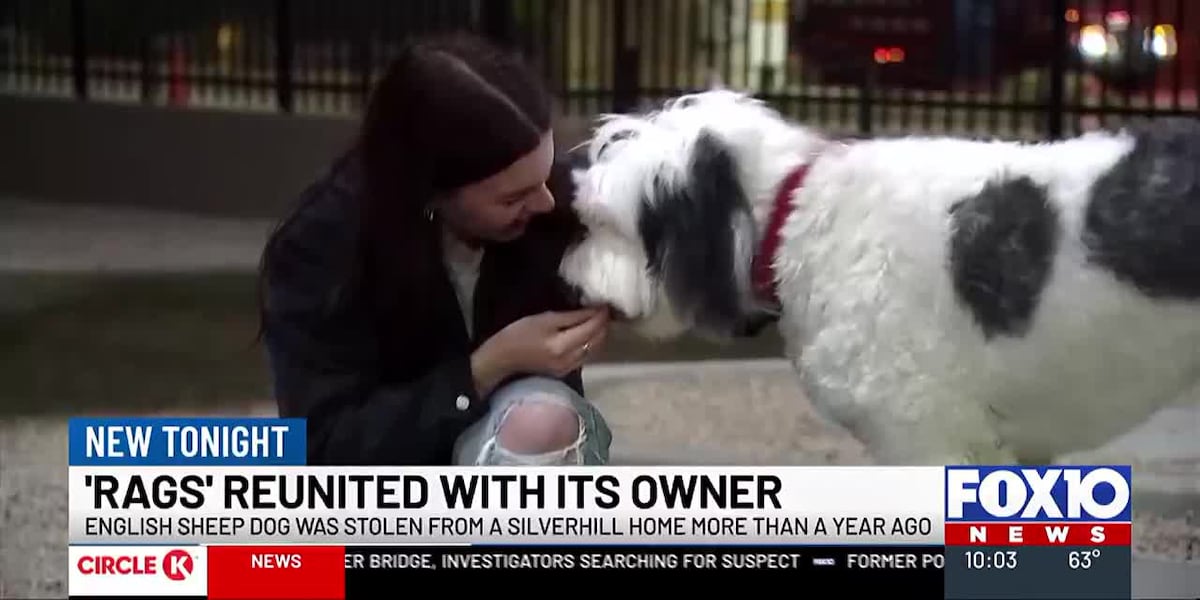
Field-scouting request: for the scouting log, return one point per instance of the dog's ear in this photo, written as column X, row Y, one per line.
column 690, row 230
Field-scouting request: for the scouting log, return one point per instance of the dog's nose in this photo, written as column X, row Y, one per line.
column 569, row 292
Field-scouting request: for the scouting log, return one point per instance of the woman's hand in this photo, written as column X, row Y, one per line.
column 550, row 343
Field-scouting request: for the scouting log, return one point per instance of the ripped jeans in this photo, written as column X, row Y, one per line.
column 479, row 444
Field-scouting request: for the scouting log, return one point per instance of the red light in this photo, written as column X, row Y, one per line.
column 1117, row 17
column 889, row 55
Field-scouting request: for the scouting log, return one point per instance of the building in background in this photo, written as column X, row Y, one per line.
column 1024, row 67
column 940, row 44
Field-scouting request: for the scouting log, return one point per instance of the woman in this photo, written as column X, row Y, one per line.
column 413, row 312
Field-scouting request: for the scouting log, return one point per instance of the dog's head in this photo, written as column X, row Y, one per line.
column 672, row 201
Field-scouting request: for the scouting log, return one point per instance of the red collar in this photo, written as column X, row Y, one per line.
column 763, row 269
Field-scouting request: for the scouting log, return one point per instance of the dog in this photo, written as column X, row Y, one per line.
column 946, row 300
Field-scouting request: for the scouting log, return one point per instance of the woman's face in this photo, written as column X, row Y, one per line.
column 499, row 208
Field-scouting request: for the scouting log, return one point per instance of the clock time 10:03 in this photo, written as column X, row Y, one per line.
column 991, row 559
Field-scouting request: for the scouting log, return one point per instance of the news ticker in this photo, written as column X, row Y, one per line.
column 308, row 572
column 214, row 488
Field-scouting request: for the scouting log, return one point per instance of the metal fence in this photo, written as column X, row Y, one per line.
column 1008, row 68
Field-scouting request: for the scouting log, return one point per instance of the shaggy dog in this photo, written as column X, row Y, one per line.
column 948, row 301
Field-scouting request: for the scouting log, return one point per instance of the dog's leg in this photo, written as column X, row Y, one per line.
column 922, row 430
column 984, row 453
column 902, row 415
column 1030, row 460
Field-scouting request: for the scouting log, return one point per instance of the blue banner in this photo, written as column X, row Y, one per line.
column 149, row 441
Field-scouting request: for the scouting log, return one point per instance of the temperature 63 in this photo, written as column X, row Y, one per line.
column 1082, row 559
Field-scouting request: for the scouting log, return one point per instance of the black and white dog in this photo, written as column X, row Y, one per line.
column 948, row 301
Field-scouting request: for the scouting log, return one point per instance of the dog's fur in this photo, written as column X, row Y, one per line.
column 946, row 300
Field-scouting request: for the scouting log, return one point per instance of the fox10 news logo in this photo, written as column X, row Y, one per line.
column 1038, row 506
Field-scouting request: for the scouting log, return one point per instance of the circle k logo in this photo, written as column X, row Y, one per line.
column 177, row 565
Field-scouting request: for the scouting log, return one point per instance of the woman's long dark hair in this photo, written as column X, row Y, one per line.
column 450, row 110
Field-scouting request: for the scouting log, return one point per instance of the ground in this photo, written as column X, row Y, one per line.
column 134, row 312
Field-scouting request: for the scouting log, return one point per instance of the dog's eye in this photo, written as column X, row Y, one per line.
column 627, row 134
column 624, row 134
column 682, row 102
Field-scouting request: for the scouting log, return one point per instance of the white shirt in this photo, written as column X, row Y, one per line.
column 463, row 261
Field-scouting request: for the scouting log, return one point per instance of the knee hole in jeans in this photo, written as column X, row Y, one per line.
column 537, row 427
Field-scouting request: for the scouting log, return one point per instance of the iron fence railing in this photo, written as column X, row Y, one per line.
column 1009, row 68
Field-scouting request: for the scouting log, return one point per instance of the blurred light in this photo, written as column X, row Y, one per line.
column 1117, row 18
column 224, row 37
column 1093, row 41
column 1072, row 15
column 1163, row 43
column 885, row 55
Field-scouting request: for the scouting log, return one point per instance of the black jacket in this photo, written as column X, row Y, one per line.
column 367, row 407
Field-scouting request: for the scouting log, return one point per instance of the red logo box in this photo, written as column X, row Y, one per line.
column 276, row 572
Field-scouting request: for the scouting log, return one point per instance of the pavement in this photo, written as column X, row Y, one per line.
column 52, row 237
column 688, row 413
